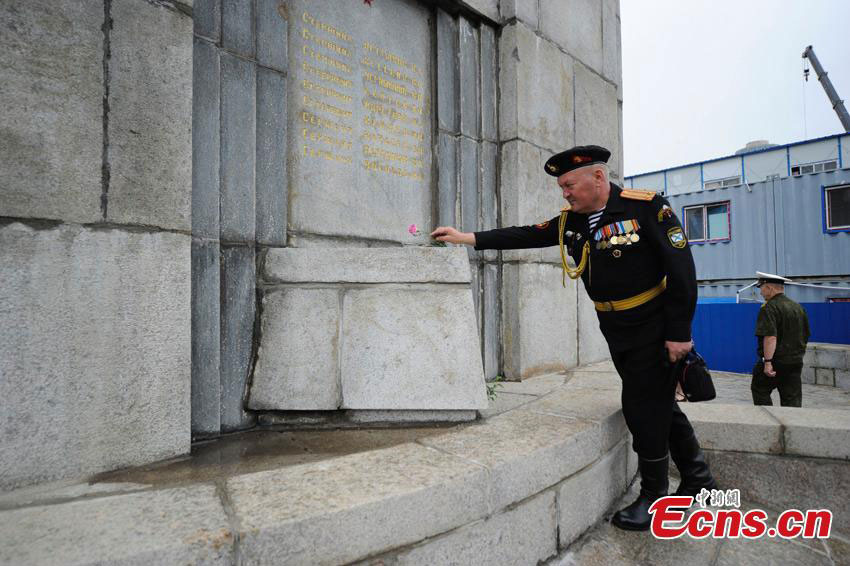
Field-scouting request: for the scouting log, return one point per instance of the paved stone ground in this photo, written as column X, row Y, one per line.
column 735, row 388
column 606, row 545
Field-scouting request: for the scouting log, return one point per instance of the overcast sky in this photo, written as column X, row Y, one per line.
column 702, row 78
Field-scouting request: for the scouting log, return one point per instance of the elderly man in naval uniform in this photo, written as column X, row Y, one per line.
column 636, row 265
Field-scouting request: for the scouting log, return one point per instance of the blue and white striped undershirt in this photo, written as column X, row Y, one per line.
column 593, row 218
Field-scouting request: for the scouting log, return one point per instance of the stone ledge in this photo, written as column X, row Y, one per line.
column 524, row 452
column 584, row 498
column 419, row 264
column 827, row 364
column 170, row 526
column 340, row 510
column 439, row 495
column 435, row 493
column 818, row 433
column 525, row 533
column 734, row 427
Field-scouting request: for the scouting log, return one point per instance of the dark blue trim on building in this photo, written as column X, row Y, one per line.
column 823, row 208
column 788, row 158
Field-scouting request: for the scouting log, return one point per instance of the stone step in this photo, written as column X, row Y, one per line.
column 523, row 475
column 511, row 488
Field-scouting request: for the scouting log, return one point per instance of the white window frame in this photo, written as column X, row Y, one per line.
column 705, row 208
column 814, row 167
column 826, row 191
column 721, row 183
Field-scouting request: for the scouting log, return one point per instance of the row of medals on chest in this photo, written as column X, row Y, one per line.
column 622, row 239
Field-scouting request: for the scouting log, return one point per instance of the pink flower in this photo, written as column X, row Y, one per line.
column 412, row 229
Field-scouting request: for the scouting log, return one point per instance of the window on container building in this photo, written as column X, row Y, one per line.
column 837, row 202
column 817, row 167
column 707, row 222
column 720, row 183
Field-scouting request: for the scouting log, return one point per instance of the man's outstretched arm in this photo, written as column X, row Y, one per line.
column 513, row 238
column 450, row 235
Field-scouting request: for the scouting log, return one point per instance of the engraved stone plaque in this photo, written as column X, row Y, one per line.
column 360, row 108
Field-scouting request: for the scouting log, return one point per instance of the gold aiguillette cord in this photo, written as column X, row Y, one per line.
column 585, row 253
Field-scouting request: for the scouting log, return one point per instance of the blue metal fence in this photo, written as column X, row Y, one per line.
column 723, row 333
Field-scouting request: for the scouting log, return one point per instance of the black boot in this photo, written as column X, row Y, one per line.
column 653, row 484
column 693, row 469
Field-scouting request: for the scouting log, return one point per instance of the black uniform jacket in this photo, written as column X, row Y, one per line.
column 622, row 271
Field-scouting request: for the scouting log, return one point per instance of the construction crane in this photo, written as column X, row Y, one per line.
column 837, row 103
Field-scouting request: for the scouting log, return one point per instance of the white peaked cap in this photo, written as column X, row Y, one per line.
column 768, row 276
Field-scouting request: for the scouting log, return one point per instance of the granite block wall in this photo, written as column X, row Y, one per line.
column 142, row 191
column 95, row 244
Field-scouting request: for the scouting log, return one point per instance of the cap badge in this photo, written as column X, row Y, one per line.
column 551, row 168
column 581, row 158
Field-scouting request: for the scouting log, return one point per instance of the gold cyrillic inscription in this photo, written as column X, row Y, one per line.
column 327, row 28
column 310, row 85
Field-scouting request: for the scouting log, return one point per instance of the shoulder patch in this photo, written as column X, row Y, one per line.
column 677, row 237
column 638, row 194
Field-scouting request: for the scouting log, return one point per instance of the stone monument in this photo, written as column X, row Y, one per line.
column 384, row 333
column 204, row 208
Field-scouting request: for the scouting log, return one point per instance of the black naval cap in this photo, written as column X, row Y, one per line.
column 574, row 158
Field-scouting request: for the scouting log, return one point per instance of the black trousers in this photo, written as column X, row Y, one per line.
column 788, row 381
column 652, row 414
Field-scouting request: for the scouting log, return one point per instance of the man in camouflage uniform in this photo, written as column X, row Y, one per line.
column 634, row 260
column 782, row 330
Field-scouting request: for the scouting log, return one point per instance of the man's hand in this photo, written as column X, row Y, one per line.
column 769, row 350
column 677, row 350
column 452, row 236
column 768, row 369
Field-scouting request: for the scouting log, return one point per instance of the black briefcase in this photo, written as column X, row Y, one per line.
column 693, row 378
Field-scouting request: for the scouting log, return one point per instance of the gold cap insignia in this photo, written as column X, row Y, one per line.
column 551, row 168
